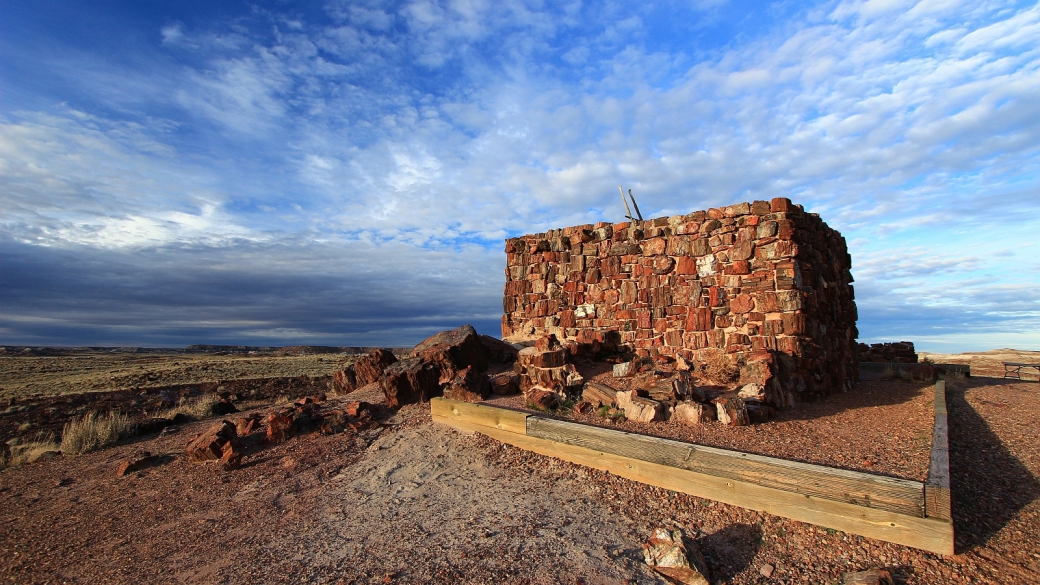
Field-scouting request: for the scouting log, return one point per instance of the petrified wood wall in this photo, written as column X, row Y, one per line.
column 765, row 281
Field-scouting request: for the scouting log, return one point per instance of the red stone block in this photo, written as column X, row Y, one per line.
column 780, row 205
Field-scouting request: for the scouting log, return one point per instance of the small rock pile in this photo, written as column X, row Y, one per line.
column 451, row 363
column 900, row 352
column 224, row 441
column 647, row 390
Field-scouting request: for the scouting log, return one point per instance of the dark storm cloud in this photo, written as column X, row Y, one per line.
column 250, row 294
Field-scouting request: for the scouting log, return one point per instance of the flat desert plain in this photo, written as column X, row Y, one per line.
column 400, row 499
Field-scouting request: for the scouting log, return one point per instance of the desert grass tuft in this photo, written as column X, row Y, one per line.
column 13, row 455
column 717, row 366
column 194, row 408
column 95, row 431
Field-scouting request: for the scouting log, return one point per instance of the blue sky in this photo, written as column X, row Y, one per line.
column 344, row 173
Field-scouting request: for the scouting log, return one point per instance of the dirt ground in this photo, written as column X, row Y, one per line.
column 96, row 372
column 415, row 502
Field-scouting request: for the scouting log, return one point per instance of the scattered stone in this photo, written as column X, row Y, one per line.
column 599, row 394
column 279, row 427
column 468, row 385
column 231, row 456
column 668, row 554
column 137, row 462
column 871, row 577
column 223, row 407
column 583, row 407
column 246, row 425
column 542, row 398
column 209, row 446
column 410, row 380
column 766, row 570
column 153, row 425
column 357, row 408
column 640, row 409
column 505, row 384
column 693, row 413
column 732, row 411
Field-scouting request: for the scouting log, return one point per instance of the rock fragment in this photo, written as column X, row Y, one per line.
column 667, row 553
column 210, row 445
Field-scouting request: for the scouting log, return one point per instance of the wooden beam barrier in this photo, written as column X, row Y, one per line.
column 649, row 461
column 937, row 487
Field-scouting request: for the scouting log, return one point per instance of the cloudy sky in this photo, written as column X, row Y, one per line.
column 344, row 173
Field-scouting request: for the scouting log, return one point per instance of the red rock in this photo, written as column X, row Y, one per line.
column 246, row 425
column 532, row 356
column 344, row 381
column 547, row 343
column 693, row 413
column 279, row 427
column 663, row 265
column 231, row 455
column 140, row 460
column 732, row 411
column 209, row 446
column 742, row 304
column 369, row 368
column 357, row 408
column 583, row 407
column 599, row 394
column 468, row 385
column 542, row 398
column 505, row 384
column 780, row 205
column 463, row 344
column 411, row 380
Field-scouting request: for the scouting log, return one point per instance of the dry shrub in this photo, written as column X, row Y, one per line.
column 95, row 431
column 18, row 453
column 194, row 408
column 717, row 366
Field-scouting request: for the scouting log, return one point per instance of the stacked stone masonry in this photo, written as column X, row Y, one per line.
column 764, row 281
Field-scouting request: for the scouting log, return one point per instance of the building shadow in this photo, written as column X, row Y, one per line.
column 989, row 484
column 730, row 550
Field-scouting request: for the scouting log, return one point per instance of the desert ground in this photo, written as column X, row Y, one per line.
column 401, row 499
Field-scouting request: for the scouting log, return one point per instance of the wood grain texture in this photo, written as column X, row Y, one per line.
column 862, row 489
column 937, row 487
column 479, row 414
column 924, row 533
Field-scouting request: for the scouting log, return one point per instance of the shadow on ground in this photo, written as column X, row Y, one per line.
column 989, row 484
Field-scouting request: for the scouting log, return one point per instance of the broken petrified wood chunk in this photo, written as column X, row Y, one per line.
column 209, row 446
column 599, row 394
column 550, row 358
column 639, row 408
column 246, row 425
column 231, row 455
column 468, row 385
column 542, row 398
column 369, row 368
column 344, row 381
column 694, row 413
column 505, row 384
column 667, row 553
column 463, row 344
column 140, row 460
column 732, row 411
column 357, row 408
column 409, row 381
column 547, row 343
column 279, row 427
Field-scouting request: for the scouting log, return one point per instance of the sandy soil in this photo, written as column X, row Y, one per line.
column 989, row 363
column 415, row 502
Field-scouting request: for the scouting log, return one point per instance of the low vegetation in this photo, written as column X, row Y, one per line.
column 95, row 431
column 717, row 366
column 17, row 452
column 194, row 408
